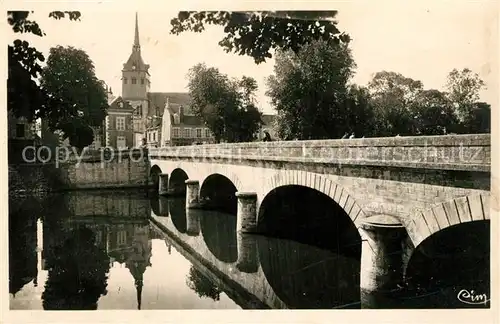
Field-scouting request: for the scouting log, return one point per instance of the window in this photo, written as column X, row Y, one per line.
column 20, row 130
column 149, row 137
column 121, row 142
column 142, row 80
column 122, row 237
column 120, row 123
column 207, row 132
column 187, row 132
column 134, row 80
column 198, row 132
column 154, row 136
column 124, row 80
column 175, row 132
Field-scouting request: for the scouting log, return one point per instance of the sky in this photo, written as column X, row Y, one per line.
column 422, row 40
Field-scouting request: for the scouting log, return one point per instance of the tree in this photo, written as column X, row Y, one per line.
column 309, row 90
column 77, row 98
column 360, row 113
column 226, row 106
column 257, row 33
column 433, row 113
column 463, row 90
column 392, row 96
column 24, row 96
column 478, row 119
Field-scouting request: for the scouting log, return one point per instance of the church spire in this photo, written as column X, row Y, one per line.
column 136, row 37
column 138, row 286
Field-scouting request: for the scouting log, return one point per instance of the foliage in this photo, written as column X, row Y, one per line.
column 25, row 98
column 392, row 96
column 77, row 98
column 463, row 90
column 477, row 119
column 432, row 114
column 77, row 272
column 309, row 91
column 257, row 33
column 226, row 106
column 202, row 285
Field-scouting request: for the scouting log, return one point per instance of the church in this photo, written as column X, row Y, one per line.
column 140, row 116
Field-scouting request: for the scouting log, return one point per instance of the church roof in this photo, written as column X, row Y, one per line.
column 175, row 100
column 119, row 104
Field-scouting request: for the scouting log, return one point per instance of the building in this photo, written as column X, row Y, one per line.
column 119, row 124
column 21, row 133
column 157, row 118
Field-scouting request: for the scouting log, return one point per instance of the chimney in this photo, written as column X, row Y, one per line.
column 181, row 113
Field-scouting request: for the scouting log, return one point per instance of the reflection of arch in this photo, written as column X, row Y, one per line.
column 177, row 182
column 303, row 276
column 218, row 193
column 309, row 216
column 154, row 175
column 320, row 183
column 454, row 258
column 219, row 233
column 155, row 205
column 159, row 205
column 443, row 215
column 177, row 208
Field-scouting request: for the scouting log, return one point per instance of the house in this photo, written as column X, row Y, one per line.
column 21, row 133
column 119, row 130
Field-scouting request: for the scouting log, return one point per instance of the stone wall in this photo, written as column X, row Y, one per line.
column 93, row 170
column 450, row 152
column 123, row 205
column 127, row 169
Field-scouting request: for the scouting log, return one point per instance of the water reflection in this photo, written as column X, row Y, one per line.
column 92, row 251
column 23, row 216
column 78, row 269
column 219, row 234
column 177, row 208
column 304, row 276
column 203, row 286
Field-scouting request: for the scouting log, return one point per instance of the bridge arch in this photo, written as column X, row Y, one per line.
column 440, row 216
column 317, row 182
column 218, row 192
column 177, row 181
column 154, row 175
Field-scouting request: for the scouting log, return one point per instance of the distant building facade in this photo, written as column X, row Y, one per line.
column 157, row 119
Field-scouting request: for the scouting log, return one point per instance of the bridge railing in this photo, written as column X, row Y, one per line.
column 452, row 152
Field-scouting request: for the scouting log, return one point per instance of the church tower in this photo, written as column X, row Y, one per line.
column 135, row 86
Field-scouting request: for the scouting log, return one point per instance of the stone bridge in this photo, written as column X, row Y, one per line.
column 416, row 186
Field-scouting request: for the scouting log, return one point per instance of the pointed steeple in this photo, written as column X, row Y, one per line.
column 135, row 61
column 137, row 45
column 138, row 286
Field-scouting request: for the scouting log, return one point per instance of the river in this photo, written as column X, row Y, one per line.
column 133, row 250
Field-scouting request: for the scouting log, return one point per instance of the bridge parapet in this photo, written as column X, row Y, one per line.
column 445, row 152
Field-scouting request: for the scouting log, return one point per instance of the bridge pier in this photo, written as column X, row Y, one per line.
column 193, row 222
column 247, row 213
column 248, row 260
column 163, row 184
column 382, row 261
column 163, row 206
column 193, row 194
